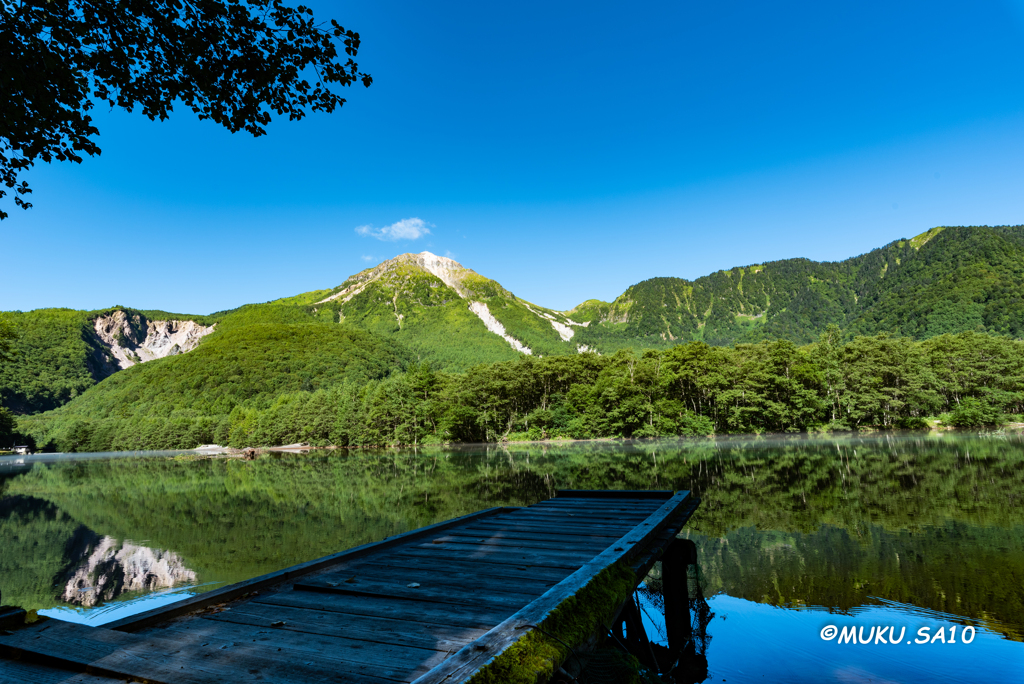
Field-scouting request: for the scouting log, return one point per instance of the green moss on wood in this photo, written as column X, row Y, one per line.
column 536, row 656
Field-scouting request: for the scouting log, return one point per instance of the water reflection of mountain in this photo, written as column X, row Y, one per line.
column 48, row 557
column 936, row 523
column 114, row 568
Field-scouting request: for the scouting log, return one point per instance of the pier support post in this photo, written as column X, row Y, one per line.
column 678, row 587
column 634, row 638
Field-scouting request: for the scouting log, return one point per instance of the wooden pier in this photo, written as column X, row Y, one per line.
column 497, row 596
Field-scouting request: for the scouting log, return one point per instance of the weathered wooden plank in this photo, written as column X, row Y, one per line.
column 474, row 616
column 578, row 511
column 23, row 672
column 567, row 527
column 108, row 653
column 590, row 513
column 480, row 574
column 569, row 524
column 426, row 587
column 555, row 519
column 553, row 522
column 539, row 547
column 466, row 566
column 597, row 517
column 520, row 561
column 473, row 656
column 578, row 546
column 349, row 657
column 432, row 636
column 436, row 594
column 559, row 518
column 556, row 514
column 233, row 591
column 574, row 529
column 439, row 575
column 485, row 565
column 544, row 534
column 601, row 504
column 521, row 554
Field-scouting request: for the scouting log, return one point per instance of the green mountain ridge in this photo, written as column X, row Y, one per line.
column 945, row 280
column 422, row 308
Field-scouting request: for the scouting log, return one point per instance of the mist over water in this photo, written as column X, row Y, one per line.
column 793, row 534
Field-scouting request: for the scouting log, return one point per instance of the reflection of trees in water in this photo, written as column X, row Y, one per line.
column 114, row 568
column 954, row 568
column 950, row 508
column 40, row 543
column 48, row 557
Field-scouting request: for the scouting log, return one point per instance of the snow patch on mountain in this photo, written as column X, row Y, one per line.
column 495, row 326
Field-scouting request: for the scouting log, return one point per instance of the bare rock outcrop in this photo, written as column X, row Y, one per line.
column 132, row 339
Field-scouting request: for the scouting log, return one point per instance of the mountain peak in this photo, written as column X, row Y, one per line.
column 450, row 272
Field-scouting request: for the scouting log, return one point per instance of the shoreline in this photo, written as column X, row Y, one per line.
column 234, row 451
column 249, row 453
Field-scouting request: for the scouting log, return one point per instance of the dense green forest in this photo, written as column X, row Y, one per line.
column 55, row 355
column 933, row 521
column 943, row 281
column 285, row 384
column 431, row 354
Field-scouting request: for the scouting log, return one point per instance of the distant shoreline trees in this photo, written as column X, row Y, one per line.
column 880, row 382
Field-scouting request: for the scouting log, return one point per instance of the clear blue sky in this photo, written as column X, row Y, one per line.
column 565, row 149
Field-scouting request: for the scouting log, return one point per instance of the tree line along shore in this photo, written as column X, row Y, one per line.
column 881, row 382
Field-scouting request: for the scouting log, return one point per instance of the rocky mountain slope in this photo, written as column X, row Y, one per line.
column 446, row 312
column 60, row 353
column 425, row 308
column 130, row 338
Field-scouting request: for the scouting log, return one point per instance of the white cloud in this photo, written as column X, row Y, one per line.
column 406, row 229
column 367, row 258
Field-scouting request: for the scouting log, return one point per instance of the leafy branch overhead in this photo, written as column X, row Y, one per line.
column 233, row 61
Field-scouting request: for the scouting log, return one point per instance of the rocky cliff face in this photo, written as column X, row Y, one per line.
column 132, row 339
column 114, row 568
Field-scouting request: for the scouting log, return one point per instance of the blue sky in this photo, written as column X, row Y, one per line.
column 565, row 149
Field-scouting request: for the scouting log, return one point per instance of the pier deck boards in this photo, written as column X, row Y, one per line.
column 434, row 604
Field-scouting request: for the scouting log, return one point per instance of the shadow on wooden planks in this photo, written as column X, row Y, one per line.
column 439, row 604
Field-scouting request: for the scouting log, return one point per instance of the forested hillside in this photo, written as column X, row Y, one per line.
column 188, row 399
column 880, row 382
column 56, row 355
column 945, row 280
column 440, row 310
column 432, row 313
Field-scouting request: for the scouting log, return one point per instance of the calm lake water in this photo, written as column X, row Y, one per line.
column 794, row 535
